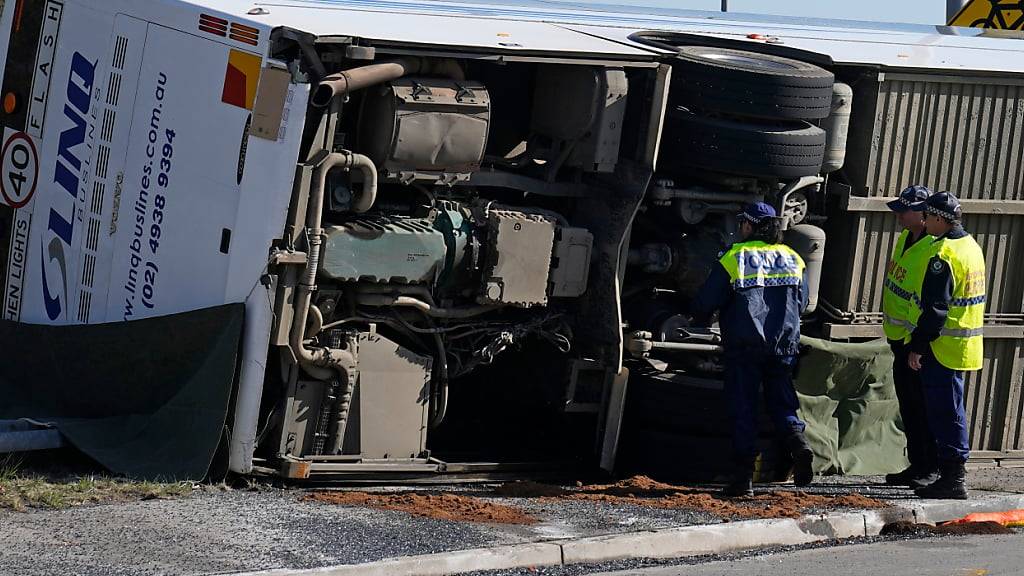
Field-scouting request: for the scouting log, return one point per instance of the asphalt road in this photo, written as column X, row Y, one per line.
column 948, row 556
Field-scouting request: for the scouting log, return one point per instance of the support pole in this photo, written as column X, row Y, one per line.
column 953, row 8
column 725, row 5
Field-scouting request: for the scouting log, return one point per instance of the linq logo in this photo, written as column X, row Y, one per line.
column 61, row 220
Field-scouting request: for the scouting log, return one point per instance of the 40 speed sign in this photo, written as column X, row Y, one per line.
column 20, row 169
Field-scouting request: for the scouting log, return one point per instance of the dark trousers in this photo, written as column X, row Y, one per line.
column 947, row 417
column 910, row 393
column 744, row 376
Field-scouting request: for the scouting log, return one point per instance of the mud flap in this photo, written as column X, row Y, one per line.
column 148, row 399
column 609, row 215
column 613, row 420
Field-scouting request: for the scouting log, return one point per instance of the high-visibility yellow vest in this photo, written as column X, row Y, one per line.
column 960, row 345
column 756, row 263
column 903, row 276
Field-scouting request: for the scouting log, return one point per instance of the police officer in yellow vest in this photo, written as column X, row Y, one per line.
column 947, row 338
column 760, row 289
column 905, row 272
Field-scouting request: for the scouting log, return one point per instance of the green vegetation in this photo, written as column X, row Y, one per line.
column 21, row 492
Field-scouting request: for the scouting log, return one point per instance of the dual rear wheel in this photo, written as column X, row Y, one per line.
column 745, row 113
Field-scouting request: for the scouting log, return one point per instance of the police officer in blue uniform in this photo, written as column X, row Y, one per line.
column 760, row 290
column 906, row 268
column 946, row 341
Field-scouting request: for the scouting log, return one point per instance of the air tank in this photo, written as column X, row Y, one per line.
column 836, row 128
column 809, row 242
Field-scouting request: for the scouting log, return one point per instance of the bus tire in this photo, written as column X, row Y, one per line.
column 750, row 85
column 758, row 149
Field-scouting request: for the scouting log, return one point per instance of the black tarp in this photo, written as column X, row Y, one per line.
column 147, row 398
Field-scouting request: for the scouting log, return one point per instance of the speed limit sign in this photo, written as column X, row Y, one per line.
column 20, row 170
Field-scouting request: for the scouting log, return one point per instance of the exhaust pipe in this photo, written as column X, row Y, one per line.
column 323, row 358
column 346, row 81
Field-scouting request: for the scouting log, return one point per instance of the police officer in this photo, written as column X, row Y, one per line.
column 760, row 289
column 947, row 338
column 905, row 272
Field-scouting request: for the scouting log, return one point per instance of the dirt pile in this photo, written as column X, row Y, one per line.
column 639, row 491
column 528, row 489
column 438, row 506
column 644, row 491
column 904, row 528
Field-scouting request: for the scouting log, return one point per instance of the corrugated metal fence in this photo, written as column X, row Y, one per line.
column 868, row 238
column 965, row 135
column 959, row 134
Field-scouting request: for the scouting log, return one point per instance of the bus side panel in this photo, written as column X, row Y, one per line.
column 146, row 192
column 203, row 196
column 51, row 291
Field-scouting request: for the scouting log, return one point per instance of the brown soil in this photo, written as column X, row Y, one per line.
column 639, row 490
column 643, row 491
column 438, row 506
column 904, row 528
column 527, row 489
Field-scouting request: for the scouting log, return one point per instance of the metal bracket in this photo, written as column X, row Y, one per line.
column 288, row 257
column 296, row 469
column 463, row 94
column 305, row 42
column 419, row 90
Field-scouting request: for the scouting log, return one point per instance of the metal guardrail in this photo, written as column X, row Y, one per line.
column 27, row 436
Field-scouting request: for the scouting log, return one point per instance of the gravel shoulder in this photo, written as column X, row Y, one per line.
column 213, row 532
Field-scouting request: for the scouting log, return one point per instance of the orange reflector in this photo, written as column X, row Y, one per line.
column 10, row 103
column 241, row 78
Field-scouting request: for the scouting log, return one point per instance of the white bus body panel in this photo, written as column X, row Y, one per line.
column 172, row 203
column 468, row 24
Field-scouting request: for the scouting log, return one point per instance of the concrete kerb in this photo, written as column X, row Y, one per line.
column 497, row 558
column 944, row 510
column 666, row 543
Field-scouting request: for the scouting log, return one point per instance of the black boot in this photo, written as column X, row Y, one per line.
column 949, row 486
column 900, row 478
column 803, row 459
column 742, row 482
column 913, row 477
column 920, row 479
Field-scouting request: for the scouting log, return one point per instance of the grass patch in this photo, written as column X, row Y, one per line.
column 21, row 492
column 10, row 463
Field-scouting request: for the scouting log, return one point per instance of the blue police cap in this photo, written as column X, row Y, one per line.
column 912, row 198
column 944, row 205
column 756, row 212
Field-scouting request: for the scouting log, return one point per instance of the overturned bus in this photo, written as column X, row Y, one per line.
column 394, row 238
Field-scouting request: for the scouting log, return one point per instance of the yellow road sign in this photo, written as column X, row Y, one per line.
column 999, row 14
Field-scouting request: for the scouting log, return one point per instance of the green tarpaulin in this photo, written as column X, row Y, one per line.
column 677, row 426
column 849, row 403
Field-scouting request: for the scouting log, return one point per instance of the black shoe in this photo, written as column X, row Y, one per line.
column 922, row 479
column 742, row 482
column 949, row 486
column 900, row 478
column 912, row 477
column 739, row 488
column 803, row 460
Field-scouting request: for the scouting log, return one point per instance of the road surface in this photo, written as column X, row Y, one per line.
column 947, row 556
